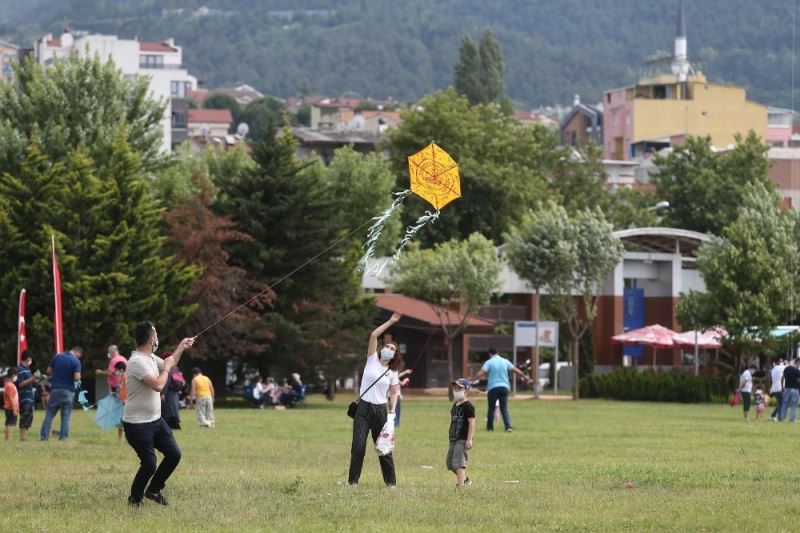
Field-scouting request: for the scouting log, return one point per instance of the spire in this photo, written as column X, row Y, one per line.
column 681, row 32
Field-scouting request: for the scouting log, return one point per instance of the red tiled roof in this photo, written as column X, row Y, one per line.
column 199, row 96
column 155, row 47
column 421, row 310
column 216, row 116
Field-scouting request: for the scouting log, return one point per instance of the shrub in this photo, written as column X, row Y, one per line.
column 633, row 385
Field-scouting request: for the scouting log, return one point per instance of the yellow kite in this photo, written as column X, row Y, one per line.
column 435, row 179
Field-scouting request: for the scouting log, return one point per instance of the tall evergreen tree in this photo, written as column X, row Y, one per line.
column 478, row 75
column 78, row 143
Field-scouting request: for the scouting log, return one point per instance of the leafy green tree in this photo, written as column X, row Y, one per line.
column 478, row 75
column 260, row 114
column 704, row 187
column 749, row 272
column 454, row 278
column 504, row 166
column 78, row 144
column 225, row 101
column 287, row 210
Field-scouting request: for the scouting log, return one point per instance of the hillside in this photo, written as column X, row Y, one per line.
column 407, row 48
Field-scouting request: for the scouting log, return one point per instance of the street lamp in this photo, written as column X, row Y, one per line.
column 663, row 204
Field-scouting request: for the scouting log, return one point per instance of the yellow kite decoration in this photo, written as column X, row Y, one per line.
column 435, row 179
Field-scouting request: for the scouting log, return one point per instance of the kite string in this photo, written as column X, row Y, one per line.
column 309, row 261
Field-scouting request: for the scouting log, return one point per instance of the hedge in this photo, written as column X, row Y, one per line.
column 633, row 385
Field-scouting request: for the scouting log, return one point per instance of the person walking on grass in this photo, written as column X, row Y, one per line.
column 462, row 430
column 378, row 381
column 775, row 388
column 112, row 377
column 65, row 371
column 25, row 380
column 791, row 390
column 144, row 428
column 746, row 390
column 203, row 397
column 496, row 368
column 10, row 400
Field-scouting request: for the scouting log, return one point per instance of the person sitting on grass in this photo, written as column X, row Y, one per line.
column 10, row 400
column 462, row 429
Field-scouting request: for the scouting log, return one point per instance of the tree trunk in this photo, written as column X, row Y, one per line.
column 450, row 376
column 330, row 393
column 575, row 370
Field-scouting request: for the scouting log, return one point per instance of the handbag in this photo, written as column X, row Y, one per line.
column 351, row 409
column 736, row 400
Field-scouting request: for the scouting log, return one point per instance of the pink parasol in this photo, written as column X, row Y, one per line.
column 656, row 336
column 709, row 339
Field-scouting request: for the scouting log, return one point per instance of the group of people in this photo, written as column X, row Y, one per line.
column 266, row 392
column 784, row 388
column 381, row 380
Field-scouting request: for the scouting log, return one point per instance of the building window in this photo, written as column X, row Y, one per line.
column 151, row 61
column 628, row 118
column 179, row 89
column 178, row 119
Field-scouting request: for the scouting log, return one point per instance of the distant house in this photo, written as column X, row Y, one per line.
column 208, row 122
column 243, row 94
column 198, row 96
column 531, row 118
column 8, row 54
column 325, row 142
column 582, row 125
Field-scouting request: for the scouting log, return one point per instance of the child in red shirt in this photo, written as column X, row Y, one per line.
column 10, row 400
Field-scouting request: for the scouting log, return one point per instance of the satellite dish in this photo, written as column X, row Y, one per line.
column 205, row 129
column 242, row 129
column 341, row 126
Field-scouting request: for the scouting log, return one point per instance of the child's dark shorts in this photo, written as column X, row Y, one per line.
column 457, row 455
column 25, row 415
column 11, row 418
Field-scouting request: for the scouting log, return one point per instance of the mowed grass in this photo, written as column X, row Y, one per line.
column 564, row 468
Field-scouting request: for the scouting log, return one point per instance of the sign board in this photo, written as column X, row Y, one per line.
column 525, row 333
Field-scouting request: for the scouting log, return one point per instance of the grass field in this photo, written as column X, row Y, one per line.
column 564, row 468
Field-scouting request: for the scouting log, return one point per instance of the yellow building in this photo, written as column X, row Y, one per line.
column 660, row 111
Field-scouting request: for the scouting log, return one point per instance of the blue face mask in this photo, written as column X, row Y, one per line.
column 387, row 354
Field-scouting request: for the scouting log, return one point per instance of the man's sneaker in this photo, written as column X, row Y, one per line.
column 468, row 481
column 156, row 497
column 773, row 419
column 509, row 430
column 134, row 503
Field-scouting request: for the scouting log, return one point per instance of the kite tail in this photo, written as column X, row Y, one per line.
column 412, row 230
column 375, row 231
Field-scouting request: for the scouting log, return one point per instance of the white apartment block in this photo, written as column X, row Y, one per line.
column 160, row 62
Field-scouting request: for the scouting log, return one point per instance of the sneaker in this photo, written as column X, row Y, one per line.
column 509, row 430
column 156, row 497
column 467, row 481
column 134, row 503
column 773, row 419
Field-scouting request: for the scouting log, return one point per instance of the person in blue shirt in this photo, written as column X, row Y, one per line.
column 25, row 381
column 65, row 376
column 496, row 368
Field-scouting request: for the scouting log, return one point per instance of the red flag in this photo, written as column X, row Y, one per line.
column 58, row 323
column 22, row 339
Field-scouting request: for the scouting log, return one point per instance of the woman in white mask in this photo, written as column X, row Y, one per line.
column 378, row 381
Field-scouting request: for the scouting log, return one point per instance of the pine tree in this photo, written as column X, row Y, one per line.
column 478, row 75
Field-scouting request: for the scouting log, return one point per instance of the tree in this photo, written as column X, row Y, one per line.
column 703, row 186
column 285, row 207
column 749, row 272
column 78, row 145
column 225, row 101
column 261, row 113
column 540, row 251
column 571, row 256
column 478, row 75
column 503, row 165
column 455, row 278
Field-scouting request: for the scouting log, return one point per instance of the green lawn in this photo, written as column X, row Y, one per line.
column 694, row 467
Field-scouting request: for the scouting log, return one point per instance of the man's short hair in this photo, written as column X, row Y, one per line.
column 492, row 351
column 26, row 354
column 143, row 331
column 11, row 372
column 196, row 370
column 77, row 350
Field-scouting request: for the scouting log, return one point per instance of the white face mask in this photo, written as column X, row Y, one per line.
column 154, row 344
column 459, row 395
column 387, row 354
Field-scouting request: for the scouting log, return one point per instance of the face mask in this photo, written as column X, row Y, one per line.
column 459, row 395
column 387, row 354
column 154, row 344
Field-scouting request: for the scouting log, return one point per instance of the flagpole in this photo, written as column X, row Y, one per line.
column 57, row 317
column 22, row 338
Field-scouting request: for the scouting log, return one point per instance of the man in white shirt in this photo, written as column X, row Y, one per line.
column 145, row 430
column 775, row 389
